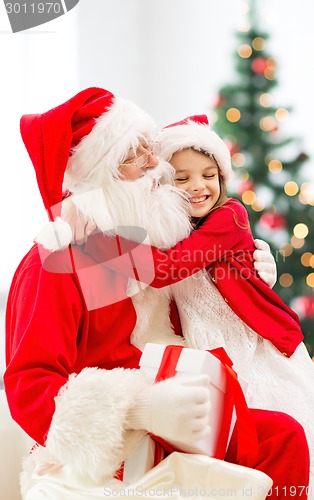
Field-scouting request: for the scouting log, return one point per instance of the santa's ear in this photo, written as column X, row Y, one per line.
column 55, row 235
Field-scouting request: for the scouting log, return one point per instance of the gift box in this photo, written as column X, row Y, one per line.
column 228, row 406
column 195, row 361
column 141, row 460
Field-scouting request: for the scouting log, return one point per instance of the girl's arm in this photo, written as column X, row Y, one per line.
column 226, row 230
column 103, row 248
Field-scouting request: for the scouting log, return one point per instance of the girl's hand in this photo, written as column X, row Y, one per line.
column 264, row 263
column 80, row 226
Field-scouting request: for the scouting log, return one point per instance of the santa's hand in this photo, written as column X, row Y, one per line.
column 265, row 263
column 81, row 227
column 175, row 409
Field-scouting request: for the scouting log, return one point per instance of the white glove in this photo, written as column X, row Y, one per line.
column 265, row 263
column 175, row 409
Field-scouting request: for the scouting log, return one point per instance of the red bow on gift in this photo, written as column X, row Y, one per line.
column 246, row 431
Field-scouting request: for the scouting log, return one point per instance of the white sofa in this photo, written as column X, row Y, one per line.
column 14, row 444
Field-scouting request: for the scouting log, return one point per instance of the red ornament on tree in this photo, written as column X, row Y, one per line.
column 273, row 221
column 219, row 101
column 233, row 148
column 246, row 186
column 304, row 306
column 259, row 64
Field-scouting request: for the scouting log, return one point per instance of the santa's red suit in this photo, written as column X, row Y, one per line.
column 83, row 426
column 71, row 365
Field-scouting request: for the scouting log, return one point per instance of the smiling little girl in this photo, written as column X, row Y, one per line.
column 217, row 306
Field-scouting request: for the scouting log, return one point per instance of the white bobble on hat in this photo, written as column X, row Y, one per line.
column 55, row 235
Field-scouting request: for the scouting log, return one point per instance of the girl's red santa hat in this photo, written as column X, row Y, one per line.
column 78, row 145
column 194, row 132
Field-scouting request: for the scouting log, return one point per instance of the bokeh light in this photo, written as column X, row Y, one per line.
column 275, row 166
column 286, row 280
column 245, row 51
column 306, row 195
column 267, row 123
column 238, row 160
column 286, row 249
column 258, row 43
column 265, row 100
column 245, row 176
column 248, row 197
column 233, row 115
column 258, row 205
column 300, row 230
column 310, row 280
column 297, row 242
column 244, row 26
column 291, row 188
column 306, row 259
column 270, row 70
column 282, row 114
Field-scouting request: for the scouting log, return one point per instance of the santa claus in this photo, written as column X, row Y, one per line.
column 75, row 329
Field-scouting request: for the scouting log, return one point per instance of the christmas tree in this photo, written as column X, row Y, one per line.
column 268, row 168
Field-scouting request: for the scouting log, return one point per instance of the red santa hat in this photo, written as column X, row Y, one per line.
column 79, row 144
column 194, row 132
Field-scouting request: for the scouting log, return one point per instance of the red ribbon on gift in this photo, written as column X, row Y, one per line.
column 247, row 435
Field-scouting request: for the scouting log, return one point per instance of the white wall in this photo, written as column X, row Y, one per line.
column 171, row 56
column 39, row 69
column 166, row 55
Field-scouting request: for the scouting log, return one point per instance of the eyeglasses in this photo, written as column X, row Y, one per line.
column 142, row 160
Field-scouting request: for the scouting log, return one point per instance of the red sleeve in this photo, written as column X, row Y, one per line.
column 43, row 317
column 222, row 232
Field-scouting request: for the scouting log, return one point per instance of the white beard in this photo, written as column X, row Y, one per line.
column 149, row 210
column 134, row 209
column 129, row 207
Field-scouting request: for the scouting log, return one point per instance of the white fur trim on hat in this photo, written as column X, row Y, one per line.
column 151, row 203
column 197, row 136
column 95, row 160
